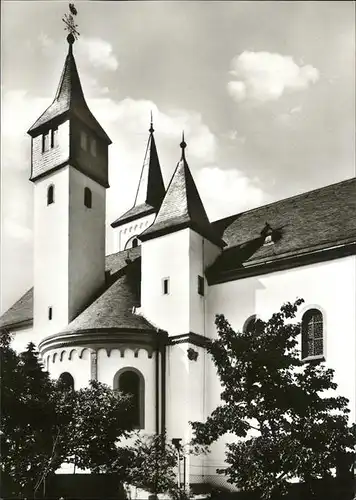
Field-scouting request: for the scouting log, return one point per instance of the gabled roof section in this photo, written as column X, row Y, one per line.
column 311, row 222
column 182, row 207
column 150, row 191
column 20, row 313
column 118, row 269
column 69, row 101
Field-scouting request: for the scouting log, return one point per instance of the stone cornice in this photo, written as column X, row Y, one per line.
column 110, row 338
column 20, row 324
column 189, row 338
column 282, row 262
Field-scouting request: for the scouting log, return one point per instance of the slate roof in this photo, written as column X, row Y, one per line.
column 69, row 99
column 317, row 219
column 112, row 309
column 20, row 312
column 150, row 191
column 182, row 207
column 134, row 213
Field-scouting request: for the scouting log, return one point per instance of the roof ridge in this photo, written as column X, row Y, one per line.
column 345, row 181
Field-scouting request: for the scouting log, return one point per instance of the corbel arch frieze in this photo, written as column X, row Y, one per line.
column 81, row 343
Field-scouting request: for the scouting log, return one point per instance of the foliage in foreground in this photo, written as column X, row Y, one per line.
column 43, row 424
column 285, row 415
column 152, row 466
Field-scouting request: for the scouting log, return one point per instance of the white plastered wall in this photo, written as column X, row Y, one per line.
column 108, row 366
column 69, row 248
column 121, row 234
column 51, row 242
column 180, row 257
column 86, row 269
column 161, row 258
column 74, row 360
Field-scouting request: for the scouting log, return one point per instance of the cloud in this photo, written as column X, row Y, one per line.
column 233, row 136
column 266, row 76
column 45, row 41
column 288, row 117
column 18, row 112
column 238, row 192
column 13, row 229
column 98, row 52
column 130, row 117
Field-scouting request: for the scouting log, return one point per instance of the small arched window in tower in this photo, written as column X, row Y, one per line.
column 130, row 381
column 54, row 137
column 67, row 381
column 83, row 140
column 87, row 197
column 93, row 147
column 133, row 242
column 45, row 141
column 201, row 285
column 312, row 334
column 50, row 195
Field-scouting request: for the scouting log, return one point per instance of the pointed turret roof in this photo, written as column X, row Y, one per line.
column 182, row 206
column 69, row 100
column 151, row 191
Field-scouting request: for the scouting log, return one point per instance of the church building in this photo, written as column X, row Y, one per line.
column 139, row 319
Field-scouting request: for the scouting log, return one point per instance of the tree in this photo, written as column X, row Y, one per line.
column 152, row 464
column 285, row 415
column 24, row 408
column 44, row 424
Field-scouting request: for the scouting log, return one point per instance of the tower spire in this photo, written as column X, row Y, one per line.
column 69, row 106
column 182, row 206
column 69, row 98
column 150, row 191
column 151, row 187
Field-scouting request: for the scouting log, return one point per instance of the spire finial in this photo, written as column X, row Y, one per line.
column 151, row 129
column 183, row 145
column 70, row 25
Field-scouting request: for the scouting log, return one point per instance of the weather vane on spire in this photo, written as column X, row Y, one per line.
column 70, row 25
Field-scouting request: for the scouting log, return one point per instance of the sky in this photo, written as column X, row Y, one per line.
column 265, row 93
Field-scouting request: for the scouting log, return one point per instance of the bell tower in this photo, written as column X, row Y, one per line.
column 69, row 170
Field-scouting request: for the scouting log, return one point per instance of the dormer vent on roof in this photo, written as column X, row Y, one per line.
column 268, row 234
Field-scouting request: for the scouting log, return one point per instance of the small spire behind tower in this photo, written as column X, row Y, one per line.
column 150, row 190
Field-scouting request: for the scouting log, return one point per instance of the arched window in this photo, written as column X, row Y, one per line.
column 131, row 381
column 87, row 197
column 133, row 242
column 312, row 334
column 249, row 324
column 50, row 195
column 67, row 381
